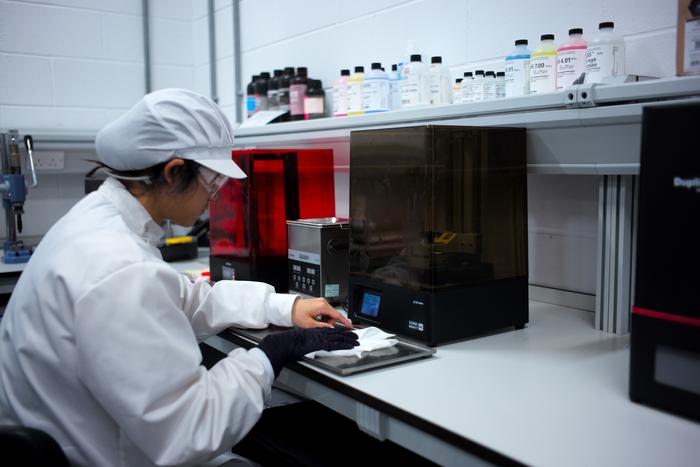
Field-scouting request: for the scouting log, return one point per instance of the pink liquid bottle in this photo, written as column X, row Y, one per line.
column 571, row 59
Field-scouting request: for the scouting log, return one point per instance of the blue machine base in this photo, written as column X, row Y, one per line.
column 12, row 256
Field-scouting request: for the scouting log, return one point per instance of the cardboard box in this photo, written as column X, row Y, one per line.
column 688, row 38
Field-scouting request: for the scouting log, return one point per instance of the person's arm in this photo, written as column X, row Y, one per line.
column 251, row 305
column 254, row 305
column 138, row 356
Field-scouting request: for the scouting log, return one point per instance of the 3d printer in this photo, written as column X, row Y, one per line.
column 248, row 219
column 438, row 237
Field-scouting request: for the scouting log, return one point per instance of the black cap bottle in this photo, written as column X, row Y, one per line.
column 297, row 91
column 261, row 91
column 314, row 100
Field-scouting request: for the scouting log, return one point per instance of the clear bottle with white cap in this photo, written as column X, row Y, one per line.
column 605, row 55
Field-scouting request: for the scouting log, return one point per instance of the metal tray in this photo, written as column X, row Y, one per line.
column 403, row 351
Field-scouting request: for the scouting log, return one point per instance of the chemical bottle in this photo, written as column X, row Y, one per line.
column 467, row 87
column 457, row 91
column 394, row 94
column 297, row 91
column 439, row 74
column 571, row 59
column 489, row 86
column 478, row 86
column 273, row 88
column 543, row 66
column 283, row 93
column 314, row 100
column 517, row 70
column 250, row 96
column 375, row 90
column 415, row 83
column 605, row 55
column 500, row 84
column 355, row 91
column 261, row 91
column 340, row 94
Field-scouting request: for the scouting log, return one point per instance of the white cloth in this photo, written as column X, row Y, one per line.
column 165, row 124
column 370, row 338
column 99, row 344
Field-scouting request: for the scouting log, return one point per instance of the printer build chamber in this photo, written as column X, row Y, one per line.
column 438, row 239
column 248, row 218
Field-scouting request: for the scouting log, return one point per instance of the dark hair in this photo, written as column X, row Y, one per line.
column 184, row 175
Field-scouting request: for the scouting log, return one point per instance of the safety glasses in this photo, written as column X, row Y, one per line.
column 212, row 181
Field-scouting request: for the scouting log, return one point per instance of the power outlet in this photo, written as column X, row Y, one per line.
column 49, row 160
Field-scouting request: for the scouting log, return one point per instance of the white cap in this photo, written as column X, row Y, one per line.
column 166, row 124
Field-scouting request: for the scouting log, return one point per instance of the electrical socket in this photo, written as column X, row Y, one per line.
column 49, row 160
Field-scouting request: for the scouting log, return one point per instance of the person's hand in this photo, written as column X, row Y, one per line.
column 284, row 347
column 316, row 313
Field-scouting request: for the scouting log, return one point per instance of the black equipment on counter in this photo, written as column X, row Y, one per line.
column 318, row 257
column 665, row 334
column 438, row 238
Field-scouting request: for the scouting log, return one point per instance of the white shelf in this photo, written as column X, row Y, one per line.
column 587, row 129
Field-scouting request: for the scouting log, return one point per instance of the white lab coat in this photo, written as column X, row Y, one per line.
column 99, row 344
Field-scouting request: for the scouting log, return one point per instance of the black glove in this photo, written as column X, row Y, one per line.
column 284, row 347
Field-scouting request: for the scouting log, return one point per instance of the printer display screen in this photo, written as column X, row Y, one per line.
column 370, row 304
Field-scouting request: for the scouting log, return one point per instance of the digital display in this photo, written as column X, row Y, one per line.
column 370, row 304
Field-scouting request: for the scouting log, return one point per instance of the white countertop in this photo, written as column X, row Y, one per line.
column 553, row 394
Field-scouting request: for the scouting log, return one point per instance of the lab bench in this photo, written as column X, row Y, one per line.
column 552, row 394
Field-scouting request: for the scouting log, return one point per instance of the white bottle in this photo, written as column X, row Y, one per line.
column 440, row 90
column 340, row 94
column 571, row 59
column 543, row 66
column 467, row 87
column 489, row 86
column 375, row 90
column 517, row 70
column 415, row 83
column 605, row 55
column 457, row 91
column 478, row 86
column 394, row 94
column 500, row 85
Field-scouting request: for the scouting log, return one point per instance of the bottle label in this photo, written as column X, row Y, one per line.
column 283, row 99
column 296, row 99
column 543, row 72
column 489, row 89
column 571, row 64
column 691, row 50
column 601, row 62
column 355, row 97
column 395, row 95
column 517, row 77
column 415, row 88
column 250, row 105
column 375, row 95
column 500, row 89
column 477, row 91
column 466, row 90
column 261, row 101
column 340, row 100
column 313, row 106
column 440, row 91
column 272, row 99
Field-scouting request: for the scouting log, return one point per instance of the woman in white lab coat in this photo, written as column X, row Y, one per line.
column 99, row 342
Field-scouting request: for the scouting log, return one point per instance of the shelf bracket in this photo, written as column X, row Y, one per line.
column 617, row 199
